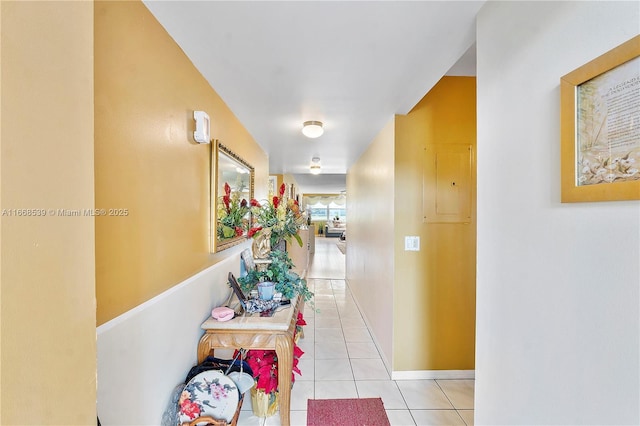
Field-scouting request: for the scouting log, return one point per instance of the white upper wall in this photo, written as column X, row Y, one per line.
column 558, row 284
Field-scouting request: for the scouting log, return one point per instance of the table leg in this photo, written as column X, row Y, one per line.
column 284, row 350
column 204, row 347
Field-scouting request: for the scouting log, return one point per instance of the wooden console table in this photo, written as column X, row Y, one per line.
column 256, row 332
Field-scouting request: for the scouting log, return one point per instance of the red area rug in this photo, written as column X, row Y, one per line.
column 346, row 412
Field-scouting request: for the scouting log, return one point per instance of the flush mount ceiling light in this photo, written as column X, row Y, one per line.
column 314, row 169
column 312, row 129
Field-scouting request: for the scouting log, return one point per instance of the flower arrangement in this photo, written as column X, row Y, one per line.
column 281, row 215
column 264, row 364
column 231, row 214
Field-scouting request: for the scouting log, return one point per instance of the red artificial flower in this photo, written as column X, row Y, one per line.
column 253, row 231
column 301, row 320
column 239, row 231
column 227, row 189
column 276, row 201
column 190, row 408
column 254, row 203
column 226, row 200
column 264, row 365
column 295, row 368
column 282, row 188
column 264, row 378
column 243, row 203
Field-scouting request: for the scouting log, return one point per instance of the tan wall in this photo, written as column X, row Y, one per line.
column 369, row 261
column 47, row 262
column 147, row 162
column 434, row 303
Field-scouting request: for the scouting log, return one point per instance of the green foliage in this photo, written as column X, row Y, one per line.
column 279, row 271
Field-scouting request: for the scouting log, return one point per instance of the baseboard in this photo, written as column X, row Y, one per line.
column 433, row 374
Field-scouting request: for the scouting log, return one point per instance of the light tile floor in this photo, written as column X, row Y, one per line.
column 342, row 361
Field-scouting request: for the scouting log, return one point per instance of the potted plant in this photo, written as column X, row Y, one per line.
column 278, row 271
column 264, row 365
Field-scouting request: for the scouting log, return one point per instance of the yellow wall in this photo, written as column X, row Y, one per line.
column 434, row 300
column 420, row 305
column 369, row 261
column 146, row 90
column 47, row 319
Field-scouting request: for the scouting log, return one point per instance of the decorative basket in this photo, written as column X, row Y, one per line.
column 264, row 404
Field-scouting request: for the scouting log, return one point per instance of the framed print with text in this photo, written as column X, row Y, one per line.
column 600, row 127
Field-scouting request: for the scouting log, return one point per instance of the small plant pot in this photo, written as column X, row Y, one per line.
column 266, row 290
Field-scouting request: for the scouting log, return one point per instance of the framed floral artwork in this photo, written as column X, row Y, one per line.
column 600, row 127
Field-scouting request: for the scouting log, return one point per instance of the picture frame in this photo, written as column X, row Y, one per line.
column 272, row 185
column 600, row 127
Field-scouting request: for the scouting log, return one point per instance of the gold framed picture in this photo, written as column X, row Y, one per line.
column 600, row 127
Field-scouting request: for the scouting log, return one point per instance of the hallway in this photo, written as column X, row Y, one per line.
column 342, row 361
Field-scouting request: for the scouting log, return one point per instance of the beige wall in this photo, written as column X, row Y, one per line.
column 48, row 273
column 369, row 260
column 147, row 162
column 435, row 288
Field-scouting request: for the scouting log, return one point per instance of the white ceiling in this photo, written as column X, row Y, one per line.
column 349, row 64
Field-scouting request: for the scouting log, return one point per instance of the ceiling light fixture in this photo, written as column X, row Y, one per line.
column 312, row 129
column 314, row 169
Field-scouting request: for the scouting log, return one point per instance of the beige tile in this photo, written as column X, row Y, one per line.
column 331, row 350
column 467, row 416
column 338, row 284
column 247, row 418
column 437, row 417
column 306, row 365
column 423, row 395
column 326, row 311
column 297, row 417
column 352, row 321
column 328, row 322
column 385, row 389
column 336, row 389
column 459, row 392
column 328, row 357
column 369, row 369
column 323, row 335
column 356, row 334
column 362, row 350
column 300, row 393
column 333, row 369
column 400, row 418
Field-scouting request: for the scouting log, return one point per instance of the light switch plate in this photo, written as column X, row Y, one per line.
column 411, row 243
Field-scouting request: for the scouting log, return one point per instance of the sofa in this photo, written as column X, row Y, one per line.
column 334, row 228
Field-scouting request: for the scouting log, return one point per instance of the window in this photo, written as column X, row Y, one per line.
column 341, row 214
column 322, row 212
column 318, row 213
